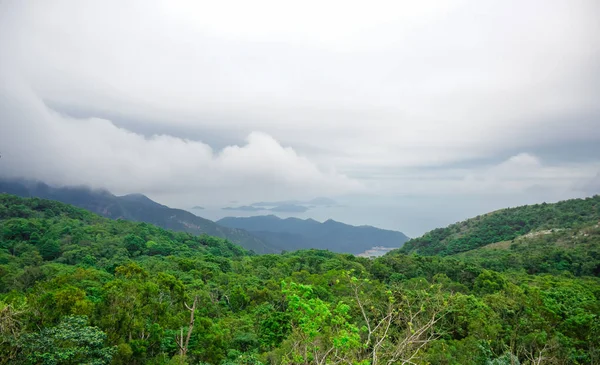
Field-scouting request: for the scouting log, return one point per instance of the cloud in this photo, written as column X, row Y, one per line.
column 188, row 101
column 518, row 175
column 391, row 84
column 40, row 143
column 525, row 172
column 591, row 186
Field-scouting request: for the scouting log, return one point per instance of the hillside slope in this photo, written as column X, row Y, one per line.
column 134, row 207
column 296, row 234
column 505, row 225
column 576, row 250
column 78, row 288
column 34, row 227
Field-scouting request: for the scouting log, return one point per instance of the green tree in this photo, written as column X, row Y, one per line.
column 71, row 342
column 321, row 331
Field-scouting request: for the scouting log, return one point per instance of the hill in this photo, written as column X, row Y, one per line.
column 134, row 207
column 33, row 228
column 505, row 225
column 78, row 288
column 296, row 234
column 576, row 250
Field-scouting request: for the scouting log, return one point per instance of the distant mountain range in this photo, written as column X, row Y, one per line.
column 294, row 234
column 262, row 234
column 135, row 207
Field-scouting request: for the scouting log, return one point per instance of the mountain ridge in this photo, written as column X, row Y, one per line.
column 504, row 225
column 575, row 250
column 296, row 233
column 134, row 207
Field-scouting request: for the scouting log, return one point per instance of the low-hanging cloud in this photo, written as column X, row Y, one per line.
column 40, row 143
column 212, row 102
column 523, row 173
column 392, row 84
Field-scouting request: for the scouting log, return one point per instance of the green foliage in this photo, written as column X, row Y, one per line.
column 576, row 251
column 77, row 288
column 489, row 282
column 133, row 207
column 319, row 328
column 72, row 341
column 505, row 225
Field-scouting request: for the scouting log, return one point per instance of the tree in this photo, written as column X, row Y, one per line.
column 71, row 342
column 398, row 332
column 11, row 327
column 134, row 244
column 49, row 249
column 185, row 343
column 321, row 332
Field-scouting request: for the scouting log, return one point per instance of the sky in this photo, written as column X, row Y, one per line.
column 412, row 115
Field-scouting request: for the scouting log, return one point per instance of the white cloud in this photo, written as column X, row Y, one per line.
column 388, row 84
column 332, row 97
column 40, row 143
column 518, row 175
column 524, row 173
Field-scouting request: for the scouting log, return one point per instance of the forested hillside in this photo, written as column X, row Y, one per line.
column 505, row 225
column 576, row 250
column 77, row 288
column 134, row 207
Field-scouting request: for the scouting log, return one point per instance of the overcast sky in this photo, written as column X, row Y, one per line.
column 412, row 114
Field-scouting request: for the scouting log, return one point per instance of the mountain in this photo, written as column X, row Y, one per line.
column 296, row 234
column 135, row 207
column 78, row 288
column 505, row 225
column 58, row 229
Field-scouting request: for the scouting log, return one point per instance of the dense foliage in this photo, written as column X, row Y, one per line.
column 505, row 225
column 552, row 251
column 77, row 288
column 134, row 207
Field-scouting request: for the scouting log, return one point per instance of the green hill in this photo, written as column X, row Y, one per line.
column 576, row 250
column 78, row 288
column 505, row 225
column 36, row 230
column 134, row 207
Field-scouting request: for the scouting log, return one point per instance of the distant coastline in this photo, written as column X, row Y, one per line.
column 376, row 251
